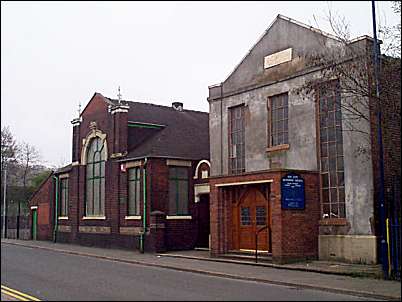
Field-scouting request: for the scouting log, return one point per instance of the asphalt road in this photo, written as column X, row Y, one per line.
column 51, row 276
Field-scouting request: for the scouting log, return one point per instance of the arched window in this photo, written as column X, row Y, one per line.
column 95, row 178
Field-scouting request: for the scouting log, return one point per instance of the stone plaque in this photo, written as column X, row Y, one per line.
column 278, row 58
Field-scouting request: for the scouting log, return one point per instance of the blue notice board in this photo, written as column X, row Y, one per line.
column 292, row 192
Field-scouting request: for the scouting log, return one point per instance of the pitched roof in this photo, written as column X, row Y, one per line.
column 293, row 21
column 183, row 134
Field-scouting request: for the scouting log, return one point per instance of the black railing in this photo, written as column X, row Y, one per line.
column 256, row 242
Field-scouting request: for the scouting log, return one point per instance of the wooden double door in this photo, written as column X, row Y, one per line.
column 251, row 216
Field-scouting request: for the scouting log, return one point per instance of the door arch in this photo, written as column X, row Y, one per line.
column 251, row 215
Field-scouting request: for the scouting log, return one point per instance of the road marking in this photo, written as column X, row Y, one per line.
column 9, row 294
column 16, row 294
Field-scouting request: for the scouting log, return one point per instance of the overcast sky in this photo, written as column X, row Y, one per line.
column 55, row 55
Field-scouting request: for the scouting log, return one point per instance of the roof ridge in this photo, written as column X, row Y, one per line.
column 156, row 105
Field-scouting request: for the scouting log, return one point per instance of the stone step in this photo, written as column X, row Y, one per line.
column 247, row 256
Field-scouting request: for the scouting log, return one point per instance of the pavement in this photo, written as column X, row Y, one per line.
column 352, row 279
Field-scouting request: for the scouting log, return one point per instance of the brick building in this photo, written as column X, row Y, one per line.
column 267, row 134
column 42, row 210
column 138, row 178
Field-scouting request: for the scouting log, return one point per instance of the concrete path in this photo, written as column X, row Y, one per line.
column 367, row 287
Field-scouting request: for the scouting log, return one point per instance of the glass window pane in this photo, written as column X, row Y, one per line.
column 339, row 162
column 131, row 174
column 332, row 179
column 131, row 197
column 323, row 121
column 183, row 197
column 331, row 150
column 324, row 164
column 89, row 198
column 338, row 117
column 96, row 169
column 102, row 197
column 342, row 213
column 326, row 208
column 260, row 215
column 96, row 183
column 172, row 172
column 331, row 134
column 332, row 165
column 172, row 197
column 325, row 195
column 285, row 138
column 245, row 216
column 341, row 181
column 280, row 113
column 89, row 171
column 274, row 128
column 334, row 195
column 341, row 194
column 339, row 135
column 323, row 104
column 281, row 125
column 182, row 173
column 325, row 182
column 330, row 102
column 339, row 149
column 324, row 150
column 331, row 119
column 323, row 135
column 334, row 210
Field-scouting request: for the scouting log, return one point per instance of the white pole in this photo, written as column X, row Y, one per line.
column 4, row 202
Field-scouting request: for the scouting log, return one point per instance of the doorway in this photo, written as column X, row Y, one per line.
column 251, row 218
column 34, row 224
column 203, row 221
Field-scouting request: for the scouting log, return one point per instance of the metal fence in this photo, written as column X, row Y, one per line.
column 17, row 227
column 393, row 225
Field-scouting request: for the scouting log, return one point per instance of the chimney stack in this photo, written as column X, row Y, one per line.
column 177, row 106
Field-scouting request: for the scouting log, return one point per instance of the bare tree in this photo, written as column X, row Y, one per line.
column 9, row 147
column 351, row 62
column 391, row 35
column 29, row 157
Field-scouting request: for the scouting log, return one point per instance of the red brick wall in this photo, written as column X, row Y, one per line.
column 391, row 134
column 179, row 234
column 294, row 232
column 43, row 199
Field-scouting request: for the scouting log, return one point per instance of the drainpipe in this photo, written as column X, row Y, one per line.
column 56, row 210
column 144, row 214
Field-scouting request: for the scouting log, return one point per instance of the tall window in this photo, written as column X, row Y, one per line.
column 95, row 178
column 134, row 189
column 331, row 151
column 63, row 197
column 178, row 190
column 236, row 140
column 278, row 120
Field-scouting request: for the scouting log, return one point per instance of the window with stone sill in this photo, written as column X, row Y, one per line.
column 134, row 191
column 236, row 140
column 95, row 178
column 178, row 191
column 331, row 151
column 63, row 192
column 278, row 133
